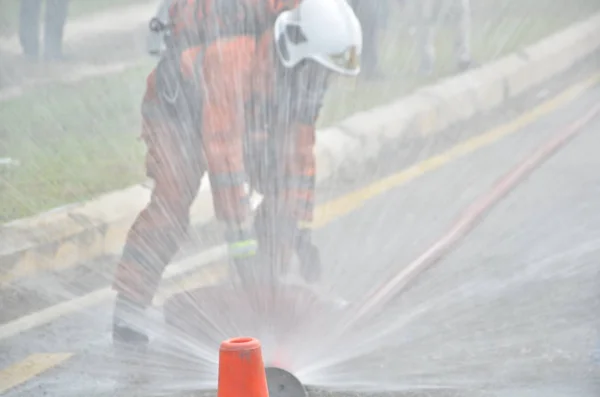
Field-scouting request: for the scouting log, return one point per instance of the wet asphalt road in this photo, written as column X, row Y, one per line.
column 513, row 311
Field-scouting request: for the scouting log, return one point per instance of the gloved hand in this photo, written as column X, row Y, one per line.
column 280, row 237
column 309, row 256
column 242, row 247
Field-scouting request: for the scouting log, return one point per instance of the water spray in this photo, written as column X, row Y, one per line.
column 469, row 219
column 241, row 358
column 466, row 222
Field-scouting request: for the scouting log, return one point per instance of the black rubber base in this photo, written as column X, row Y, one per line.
column 282, row 383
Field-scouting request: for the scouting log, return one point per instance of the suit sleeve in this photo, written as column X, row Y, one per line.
column 227, row 74
column 300, row 161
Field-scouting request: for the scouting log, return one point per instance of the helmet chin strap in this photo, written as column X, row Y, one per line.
column 282, row 49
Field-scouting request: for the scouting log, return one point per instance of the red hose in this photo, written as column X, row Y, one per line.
column 467, row 221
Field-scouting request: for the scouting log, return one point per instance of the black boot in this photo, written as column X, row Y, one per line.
column 310, row 260
column 125, row 330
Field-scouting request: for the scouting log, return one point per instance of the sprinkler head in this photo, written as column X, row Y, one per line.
column 282, row 383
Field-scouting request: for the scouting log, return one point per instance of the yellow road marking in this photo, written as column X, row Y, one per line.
column 32, row 366
column 341, row 206
column 325, row 214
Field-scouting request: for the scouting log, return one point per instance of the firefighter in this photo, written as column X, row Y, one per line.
column 236, row 93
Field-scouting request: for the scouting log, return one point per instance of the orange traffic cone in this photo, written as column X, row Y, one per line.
column 241, row 369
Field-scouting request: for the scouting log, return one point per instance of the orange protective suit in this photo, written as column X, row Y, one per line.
column 227, row 107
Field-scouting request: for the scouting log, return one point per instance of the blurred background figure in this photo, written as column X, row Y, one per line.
column 54, row 22
column 155, row 40
column 430, row 15
column 373, row 15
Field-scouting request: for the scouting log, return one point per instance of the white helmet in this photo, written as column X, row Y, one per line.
column 326, row 31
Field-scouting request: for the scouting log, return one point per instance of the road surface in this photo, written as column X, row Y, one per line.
column 513, row 311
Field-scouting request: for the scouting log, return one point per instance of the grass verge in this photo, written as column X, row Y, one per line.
column 72, row 142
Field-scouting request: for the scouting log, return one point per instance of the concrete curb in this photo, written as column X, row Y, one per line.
column 75, row 234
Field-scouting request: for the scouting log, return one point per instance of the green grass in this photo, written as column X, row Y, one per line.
column 9, row 11
column 75, row 142
column 71, row 146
